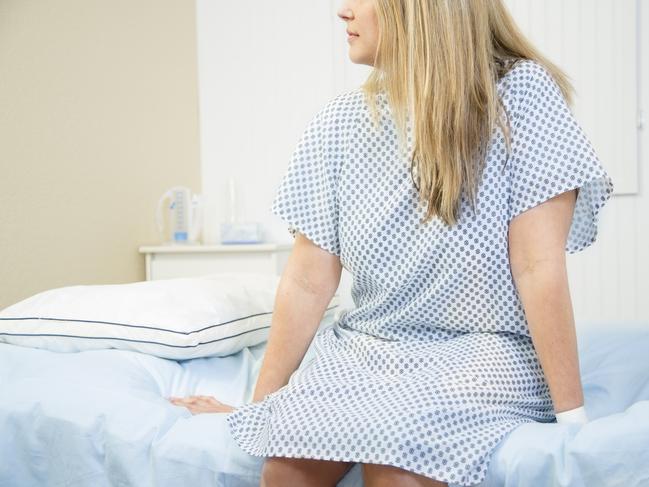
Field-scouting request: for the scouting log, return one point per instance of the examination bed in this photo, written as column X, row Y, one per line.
column 102, row 418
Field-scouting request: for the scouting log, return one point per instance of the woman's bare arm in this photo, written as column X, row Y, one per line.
column 308, row 283
column 306, row 287
column 537, row 240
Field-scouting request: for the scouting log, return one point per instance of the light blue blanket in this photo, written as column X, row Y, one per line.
column 101, row 418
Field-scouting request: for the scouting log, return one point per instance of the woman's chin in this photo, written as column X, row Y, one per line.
column 359, row 59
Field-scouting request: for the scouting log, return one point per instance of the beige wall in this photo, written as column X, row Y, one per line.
column 98, row 116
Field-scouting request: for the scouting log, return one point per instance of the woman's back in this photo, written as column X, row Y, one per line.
column 435, row 364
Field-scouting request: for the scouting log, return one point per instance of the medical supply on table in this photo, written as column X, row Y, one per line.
column 236, row 231
column 184, row 216
column 241, row 233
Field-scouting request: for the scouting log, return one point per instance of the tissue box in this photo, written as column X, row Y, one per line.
column 241, row 233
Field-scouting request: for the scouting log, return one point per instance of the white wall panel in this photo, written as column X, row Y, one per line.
column 265, row 68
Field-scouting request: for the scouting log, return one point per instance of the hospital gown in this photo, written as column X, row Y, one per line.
column 434, row 365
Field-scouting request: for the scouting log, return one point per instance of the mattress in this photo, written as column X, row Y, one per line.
column 101, row 418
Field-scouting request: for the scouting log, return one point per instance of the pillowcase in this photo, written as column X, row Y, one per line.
column 180, row 318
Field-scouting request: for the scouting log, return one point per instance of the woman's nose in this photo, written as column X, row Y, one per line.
column 345, row 13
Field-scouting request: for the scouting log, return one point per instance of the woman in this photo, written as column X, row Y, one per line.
column 451, row 186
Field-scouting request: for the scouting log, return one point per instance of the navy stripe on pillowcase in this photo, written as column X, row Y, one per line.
column 131, row 340
column 145, row 326
column 136, row 326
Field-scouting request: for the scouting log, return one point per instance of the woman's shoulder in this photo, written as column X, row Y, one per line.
column 524, row 71
column 529, row 87
column 527, row 80
column 337, row 115
column 342, row 104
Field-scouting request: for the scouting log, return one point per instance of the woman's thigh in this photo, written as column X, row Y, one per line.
column 302, row 472
column 379, row 475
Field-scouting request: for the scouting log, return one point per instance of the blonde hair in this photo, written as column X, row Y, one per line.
column 438, row 63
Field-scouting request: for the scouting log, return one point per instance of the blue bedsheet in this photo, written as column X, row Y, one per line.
column 101, row 418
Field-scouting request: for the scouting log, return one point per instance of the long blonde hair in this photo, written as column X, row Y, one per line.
column 438, row 62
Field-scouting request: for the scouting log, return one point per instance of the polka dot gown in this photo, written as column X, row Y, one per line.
column 434, row 366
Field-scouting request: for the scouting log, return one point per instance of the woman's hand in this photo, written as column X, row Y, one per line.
column 202, row 404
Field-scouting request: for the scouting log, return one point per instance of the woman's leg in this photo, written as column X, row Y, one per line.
column 378, row 475
column 302, row 472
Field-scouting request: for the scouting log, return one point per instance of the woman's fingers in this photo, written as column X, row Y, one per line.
column 202, row 404
column 189, row 399
column 212, row 400
column 202, row 408
column 196, row 400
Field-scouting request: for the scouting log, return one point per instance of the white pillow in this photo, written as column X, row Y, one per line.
column 181, row 318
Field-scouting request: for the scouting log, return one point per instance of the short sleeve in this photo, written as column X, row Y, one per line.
column 551, row 154
column 307, row 197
